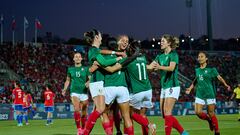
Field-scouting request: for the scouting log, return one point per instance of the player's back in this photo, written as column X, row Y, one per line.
column 49, row 98
column 18, row 96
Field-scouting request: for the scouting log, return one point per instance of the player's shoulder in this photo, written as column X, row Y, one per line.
column 85, row 67
column 210, row 67
column 94, row 49
column 71, row 67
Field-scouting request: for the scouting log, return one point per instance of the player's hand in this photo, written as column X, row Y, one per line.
column 152, row 65
column 188, row 91
column 94, row 67
column 156, row 66
column 64, row 92
column 96, row 63
column 118, row 58
column 228, row 87
column 123, row 54
column 87, row 84
column 118, row 66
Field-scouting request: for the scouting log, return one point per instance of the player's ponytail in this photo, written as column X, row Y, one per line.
column 90, row 35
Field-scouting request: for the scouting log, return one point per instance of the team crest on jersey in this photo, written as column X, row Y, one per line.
column 82, row 69
column 206, row 71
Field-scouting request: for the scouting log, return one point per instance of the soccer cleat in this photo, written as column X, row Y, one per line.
column 80, row 131
column 185, row 133
column 238, row 119
column 47, row 124
column 217, row 133
column 27, row 123
column 152, row 129
column 211, row 127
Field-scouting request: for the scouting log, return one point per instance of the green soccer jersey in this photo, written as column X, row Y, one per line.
column 79, row 76
column 205, row 88
column 169, row 79
column 137, row 75
column 95, row 55
column 116, row 78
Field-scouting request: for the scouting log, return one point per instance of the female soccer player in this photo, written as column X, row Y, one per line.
column 205, row 91
column 49, row 103
column 167, row 64
column 115, row 86
column 121, row 44
column 18, row 95
column 27, row 105
column 78, row 76
column 140, row 90
column 94, row 38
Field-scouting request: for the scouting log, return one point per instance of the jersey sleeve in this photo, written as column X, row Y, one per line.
column 174, row 58
column 215, row 72
column 156, row 59
column 105, row 62
column 87, row 71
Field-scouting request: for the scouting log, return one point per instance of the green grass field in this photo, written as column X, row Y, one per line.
column 228, row 126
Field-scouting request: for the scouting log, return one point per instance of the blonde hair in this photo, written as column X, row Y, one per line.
column 174, row 41
column 119, row 37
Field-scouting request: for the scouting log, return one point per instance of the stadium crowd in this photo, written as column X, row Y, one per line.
column 47, row 63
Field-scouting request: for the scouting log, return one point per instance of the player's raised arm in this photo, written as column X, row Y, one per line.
column 223, row 82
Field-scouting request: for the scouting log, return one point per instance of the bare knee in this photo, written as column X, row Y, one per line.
column 167, row 111
column 198, row 113
column 100, row 109
column 76, row 108
column 211, row 113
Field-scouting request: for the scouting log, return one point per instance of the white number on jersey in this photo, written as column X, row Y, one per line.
column 78, row 74
column 140, row 74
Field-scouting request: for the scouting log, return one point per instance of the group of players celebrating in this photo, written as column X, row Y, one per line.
column 118, row 81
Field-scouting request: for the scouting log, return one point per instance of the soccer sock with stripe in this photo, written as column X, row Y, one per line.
column 168, row 124
column 21, row 118
column 203, row 116
column 215, row 123
column 25, row 117
column 111, row 119
column 177, row 125
column 77, row 118
column 18, row 118
column 91, row 122
column 142, row 121
column 107, row 128
column 129, row 130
